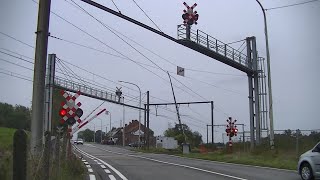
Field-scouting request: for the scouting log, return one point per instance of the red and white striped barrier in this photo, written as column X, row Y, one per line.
column 75, row 129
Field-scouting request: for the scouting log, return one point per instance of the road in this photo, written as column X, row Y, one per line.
column 109, row 162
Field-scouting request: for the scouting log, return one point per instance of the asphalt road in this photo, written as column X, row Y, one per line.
column 109, row 162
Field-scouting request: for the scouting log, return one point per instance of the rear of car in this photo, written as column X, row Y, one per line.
column 309, row 164
column 79, row 141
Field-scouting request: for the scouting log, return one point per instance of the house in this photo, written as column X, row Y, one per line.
column 131, row 134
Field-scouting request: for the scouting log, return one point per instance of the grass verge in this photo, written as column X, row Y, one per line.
column 265, row 158
column 71, row 168
column 6, row 140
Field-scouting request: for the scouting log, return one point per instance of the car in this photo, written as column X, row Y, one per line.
column 79, row 141
column 309, row 164
column 136, row 144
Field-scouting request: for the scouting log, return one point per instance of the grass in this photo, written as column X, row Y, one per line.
column 267, row 159
column 158, row 151
column 71, row 168
column 259, row 157
column 6, row 144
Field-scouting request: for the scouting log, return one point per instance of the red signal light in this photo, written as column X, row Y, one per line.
column 62, row 112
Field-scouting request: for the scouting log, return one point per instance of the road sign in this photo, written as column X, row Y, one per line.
column 180, row 71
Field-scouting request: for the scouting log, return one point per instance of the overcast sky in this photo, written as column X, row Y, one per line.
column 294, row 46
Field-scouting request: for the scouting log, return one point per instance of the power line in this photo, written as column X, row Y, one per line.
column 94, row 49
column 16, row 39
column 126, row 43
column 290, row 5
column 18, row 54
column 130, row 46
column 15, row 64
column 16, row 57
column 116, row 6
column 12, row 74
column 147, row 15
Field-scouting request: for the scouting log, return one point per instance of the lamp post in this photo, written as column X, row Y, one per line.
column 269, row 77
column 101, row 132
column 139, row 109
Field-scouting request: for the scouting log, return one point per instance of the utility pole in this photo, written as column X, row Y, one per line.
column 123, row 127
column 148, row 116
column 269, row 77
column 39, row 76
column 212, row 129
column 178, row 114
column 94, row 133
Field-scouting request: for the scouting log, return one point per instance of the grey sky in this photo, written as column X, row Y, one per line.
column 294, row 47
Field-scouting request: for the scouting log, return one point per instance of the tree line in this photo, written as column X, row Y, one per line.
column 17, row 117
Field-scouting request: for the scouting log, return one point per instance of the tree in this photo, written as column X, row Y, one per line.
column 18, row 117
column 87, row 135
column 194, row 138
column 288, row 132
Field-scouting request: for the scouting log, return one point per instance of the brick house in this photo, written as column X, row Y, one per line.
column 131, row 133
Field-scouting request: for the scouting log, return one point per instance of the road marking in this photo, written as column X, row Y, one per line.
column 88, row 166
column 92, row 177
column 102, row 166
column 112, row 177
column 107, row 171
column 85, row 162
column 174, row 164
column 235, row 164
column 109, row 166
column 90, row 170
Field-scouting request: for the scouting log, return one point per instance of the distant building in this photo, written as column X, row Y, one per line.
column 131, row 134
column 166, row 142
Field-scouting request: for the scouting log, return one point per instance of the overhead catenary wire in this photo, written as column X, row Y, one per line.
column 147, row 15
column 16, row 39
column 126, row 43
column 290, row 5
column 139, row 53
column 116, row 6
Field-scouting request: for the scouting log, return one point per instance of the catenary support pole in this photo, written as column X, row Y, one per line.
column 39, row 76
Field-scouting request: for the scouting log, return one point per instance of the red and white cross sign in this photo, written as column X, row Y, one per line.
column 70, row 106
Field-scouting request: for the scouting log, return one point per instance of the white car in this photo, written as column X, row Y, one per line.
column 309, row 164
column 79, row 141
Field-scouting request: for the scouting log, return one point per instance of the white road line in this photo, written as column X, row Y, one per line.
column 109, row 166
column 83, row 160
column 102, row 166
column 88, row 166
column 174, row 164
column 92, row 177
column 107, row 171
column 112, row 177
column 90, row 170
column 246, row 165
column 86, row 163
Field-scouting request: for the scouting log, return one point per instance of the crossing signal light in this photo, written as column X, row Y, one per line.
column 71, row 121
column 79, row 112
column 62, row 112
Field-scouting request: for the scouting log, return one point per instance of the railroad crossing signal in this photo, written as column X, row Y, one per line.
column 70, row 111
column 231, row 130
column 189, row 17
